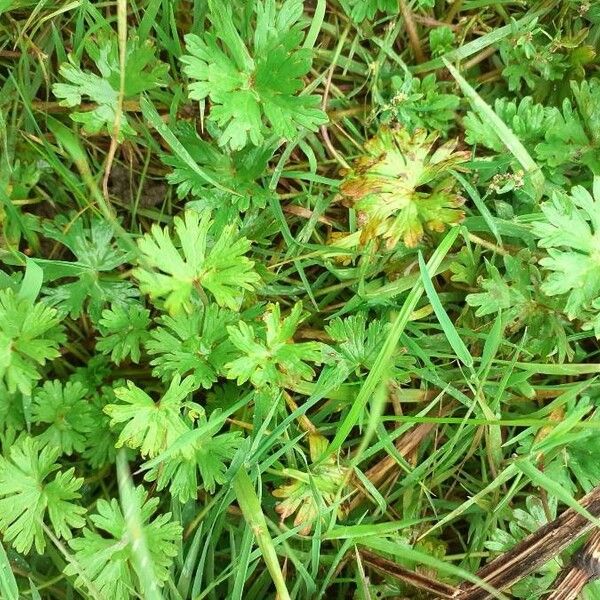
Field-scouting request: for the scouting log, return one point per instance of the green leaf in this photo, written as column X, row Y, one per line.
column 242, row 170
column 143, row 73
column 65, row 412
column 358, row 344
column 101, row 439
column 527, row 120
column 360, row 10
column 515, row 292
column 502, row 131
column 553, row 488
column 270, row 356
column 193, row 344
column 30, row 335
column 570, row 231
column 124, row 329
column 521, row 523
column 28, row 496
column 388, row 348
column 419, row 104
column 8, row 584
column 202, row 259
column 206, row 453
column 150, row 426
column 254, row 87
column 105, row 555
column 94, row 280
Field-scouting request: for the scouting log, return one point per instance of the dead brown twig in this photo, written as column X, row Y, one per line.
column 535, row 550
column 527, row 556
column 422, row 582
column 584, row 567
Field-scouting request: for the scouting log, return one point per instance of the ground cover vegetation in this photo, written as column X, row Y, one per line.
column 285, row 281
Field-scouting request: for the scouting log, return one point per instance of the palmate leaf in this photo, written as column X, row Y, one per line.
column 104, row 556
column 101, row 439
column 419, row 104
column 202, row 451
column 360, row 10
column 92, row 281
column 124, row 329
column 516, row 293
column 558, row 137
column 570, row 231
column 254, row 87
column 313, row 491
column 521, row 523
column 193, row 344
column 64, row 412
column 12, row 416
column 28, row 496
column 528, row 120
column 270, row 356
column 573, row 134
column 143, row 73
column 242, row 170
column 358, row 345
column 197, row 263
column 401, row 186
column 30, row 334
column 151, row 426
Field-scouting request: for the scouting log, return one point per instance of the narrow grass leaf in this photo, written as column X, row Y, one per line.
column 255, row 519
column 388, row 348
column 504, row 133
column 449, row 330
column 479, row 204
column 143, row 564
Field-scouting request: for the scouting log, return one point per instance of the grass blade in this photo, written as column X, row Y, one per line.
column 388, row 348
column 255, row 518
column 450, row 331
column 508, row 138
column 143, row 563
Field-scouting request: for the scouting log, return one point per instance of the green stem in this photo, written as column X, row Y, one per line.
column 252, row 511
